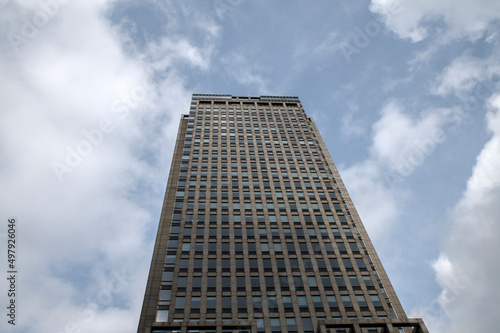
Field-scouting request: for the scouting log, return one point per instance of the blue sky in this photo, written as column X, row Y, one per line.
column 405, row 94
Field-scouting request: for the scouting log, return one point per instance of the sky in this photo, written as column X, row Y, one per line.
column 405, row 94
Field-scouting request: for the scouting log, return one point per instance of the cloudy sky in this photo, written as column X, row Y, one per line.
column 405, row 93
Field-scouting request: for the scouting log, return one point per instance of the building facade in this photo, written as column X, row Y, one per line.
column 258, row 233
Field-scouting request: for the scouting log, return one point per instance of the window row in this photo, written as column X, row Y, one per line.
column 268, row 283
column 271, row 304
column 215, row 264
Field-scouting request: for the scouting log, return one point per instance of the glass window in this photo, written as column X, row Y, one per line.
column 226, row 282
column 321, row 264
column 346, row 300
column 291, row 324
column 287, row 302
column 184, row 264
column 267, row 265
column 326, row 281
column 240, row 282
column 334, row 263
column 312, row 281
column 368, row 281
column 332, row 301
column 182, row 282
column 168, row 276
column 198, row 247
column 303, row 248
column 354, row 282
column 226, row 302
column 211, row 302
column 253, row 265
column 195, row 302
column 211, row 282
column 257, row 303
column 341, row 247
column 212, row 264
column 339, row 280
column 226, row 264
column 361, row 301
column 280, row 263
column 375, row 300
column 242, row 302
column 180, row 302
column 240, row 265
column 275, row 323
column 260, row 324
column 347, row 263
column 196, row 282
column 294, row 264
column 170, row 260
column 347, row 232
column 198, row 264
column 212, row 248
column 272, row 303
column 162, row 315
column 200, row 232
column 302, row 300
column 307, row 324
column 255, row 282
column 269, row 282
column 165, row 294
column 361, row 263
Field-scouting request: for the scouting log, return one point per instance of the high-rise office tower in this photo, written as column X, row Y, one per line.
column 258, row 233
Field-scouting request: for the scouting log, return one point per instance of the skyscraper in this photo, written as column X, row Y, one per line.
column 258, row 233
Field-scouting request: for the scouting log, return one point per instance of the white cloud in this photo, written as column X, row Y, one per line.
column 399, row 139
column 469, row 77
column 84, row 242
column 462, row 18
column 467, row 268
column 243, row 71
column 170, row 50
column 400, row 144
column 365, row 181
column 460, row 76
column 181, row 49
column 329, row 45
column 351, row 124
